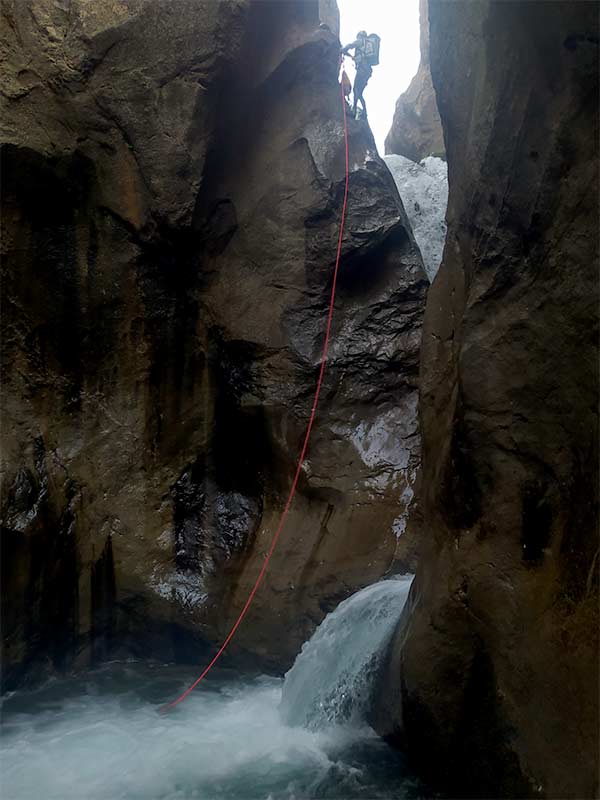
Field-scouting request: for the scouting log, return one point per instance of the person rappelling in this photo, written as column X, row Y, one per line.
column 366, row 56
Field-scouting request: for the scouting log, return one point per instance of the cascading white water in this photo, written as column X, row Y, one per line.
column 424, row 191
column 332, row 677
column 100, row 735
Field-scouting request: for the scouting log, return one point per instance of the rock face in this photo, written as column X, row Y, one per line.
column 424, row 191
column 492, row 678
column 416, row 130
column 173, row 177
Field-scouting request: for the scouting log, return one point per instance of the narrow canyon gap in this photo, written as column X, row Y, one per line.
column 172, row 177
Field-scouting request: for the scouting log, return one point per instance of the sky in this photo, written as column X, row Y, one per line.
column 397, row 22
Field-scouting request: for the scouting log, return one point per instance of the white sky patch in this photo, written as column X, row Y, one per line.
column 397, row 22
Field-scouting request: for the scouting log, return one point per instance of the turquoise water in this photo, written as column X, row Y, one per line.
column 100, row 736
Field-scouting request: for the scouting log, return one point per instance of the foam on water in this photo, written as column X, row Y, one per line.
column 100, row 736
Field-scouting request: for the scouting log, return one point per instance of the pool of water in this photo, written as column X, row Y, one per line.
column 101, row 736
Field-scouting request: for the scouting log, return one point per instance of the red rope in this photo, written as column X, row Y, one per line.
column 304, row 446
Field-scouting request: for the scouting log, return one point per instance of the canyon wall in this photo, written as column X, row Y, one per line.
column 172, row 186
column 416, row 130
column 492, row 678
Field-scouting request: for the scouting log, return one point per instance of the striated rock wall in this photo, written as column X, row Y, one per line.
column 416, row 130
column 172, row 183
column 492, row 680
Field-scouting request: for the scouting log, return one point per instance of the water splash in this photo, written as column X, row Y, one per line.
column 100, row 737
column 332, row 678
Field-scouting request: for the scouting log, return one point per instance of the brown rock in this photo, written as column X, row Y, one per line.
column 172, row 192
column 416, row 130
column 329, row 14
column 492, row 680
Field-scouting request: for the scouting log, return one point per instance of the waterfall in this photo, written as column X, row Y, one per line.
column 332, row 677
column 99, row 734
column 424, row 191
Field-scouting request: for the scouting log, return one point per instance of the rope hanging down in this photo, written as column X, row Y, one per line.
column 311, row 420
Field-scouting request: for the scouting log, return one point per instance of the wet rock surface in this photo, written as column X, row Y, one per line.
column 491, row 681
column 172, row 185
column 416, row 130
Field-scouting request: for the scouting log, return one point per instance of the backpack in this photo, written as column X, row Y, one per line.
column 371, row 49
column 346, row 83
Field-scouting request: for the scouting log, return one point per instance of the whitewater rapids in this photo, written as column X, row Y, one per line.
column 100, row 736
